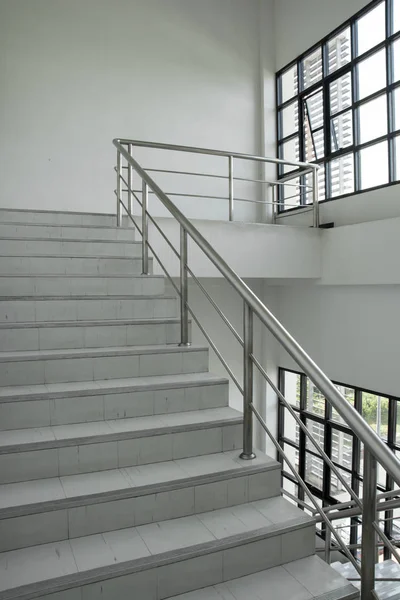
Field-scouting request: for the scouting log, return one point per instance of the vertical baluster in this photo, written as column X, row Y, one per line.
column 247, row 453
column 231, row 188
column 130, row 183
column 145, row 249
column 119, row 168
column 368, row 542
column 315, row 198
column 184, row 289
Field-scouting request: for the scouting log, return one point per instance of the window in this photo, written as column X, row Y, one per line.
column 333, row 435
column 339, row 107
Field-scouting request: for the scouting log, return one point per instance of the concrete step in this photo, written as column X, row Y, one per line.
column 60, row 366
column 66, row 403
column 301, row 579
column 71, row 265
column 162, row 559
column 54, row 217
column 55, row 335
column 28, row 454
column 67, row 507
column 388, row 569
column 64, row 231
column 68, row 247
column 14, row 286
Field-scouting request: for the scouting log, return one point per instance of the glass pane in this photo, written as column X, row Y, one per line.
column 375, row 410
column 290, row 151
column 397, row 161
column 396, row 15
column 340, row 93
column 315, row 401
column 289, row 119
column 396, row 60
column 312, row 68
column 317, row 431
column 372, row 74
column 339, row 50
column 290, row 487
column 314, row 470
column 314, row 110
column 348, row 393
column 371, row 28
column 342, row 448
column 373, row 119
column 397, row 441
column 292, row 388
column 292, row 455
column 342, row 131
column 290, row 194
column 338, row 489
column 289, row 84
column 342, row 175
column 291, row 428
column 321, row 185
column 396, row 104
column 374, row 165
column 314, row 144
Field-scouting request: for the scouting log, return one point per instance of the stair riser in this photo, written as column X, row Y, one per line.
column 35, row 311
column 88, row 458
column 84, row 409
column 33, row 372
column 90, row 519
column 60, row 232
column 80, row 286
column 195, row 573
column 55, row 338
column 71, row 248
column 56, row 218
column 48, row 265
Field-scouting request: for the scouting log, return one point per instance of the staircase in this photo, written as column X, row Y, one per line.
column 120, row 474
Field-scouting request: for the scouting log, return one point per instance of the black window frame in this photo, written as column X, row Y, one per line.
column 329, row 424
column 327, row 78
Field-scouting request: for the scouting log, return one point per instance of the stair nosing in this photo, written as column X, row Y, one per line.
column 73, row 256
column 69, row 225
column 135, row 491
column 140, row 383
column 81, row 275
column 103, row 573
column 88, row 297
column 69, row 240
column 118, row 436
column 45, row 211
column 75, row 353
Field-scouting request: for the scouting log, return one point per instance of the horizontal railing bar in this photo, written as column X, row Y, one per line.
column 304, row 487
column 211, row 152
column 304, row 428
column 359, row 426
column 302, row 210
column 217, row 352
column 355, row 511
column 217, row 308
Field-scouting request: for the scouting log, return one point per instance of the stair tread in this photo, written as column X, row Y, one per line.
column 306, row 579
column 65, row 390
column 102, row 297
column 67, row 225
column 88, row 323
column 20, row 355
column 146, row 546
column 20, row 440
column 80, row 275
column 70, row 490
column 74, row 240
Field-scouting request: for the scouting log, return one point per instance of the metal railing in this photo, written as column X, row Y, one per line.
column 302, row 169
column 375, row 451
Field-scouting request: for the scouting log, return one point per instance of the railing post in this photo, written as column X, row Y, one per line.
column 368, row 542
column 247, row 453
column 184, row 290
column 274, row 192
column 315, row 198
column 119, row 207
column 145, row 249
column 231, row 188
column 328, row 539
column 130, row 183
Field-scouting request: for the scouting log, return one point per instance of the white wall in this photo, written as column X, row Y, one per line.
column 76, row 74
column 352, row 332
column 251, row 249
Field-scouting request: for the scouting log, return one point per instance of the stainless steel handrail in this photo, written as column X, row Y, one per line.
column 359, row 426
column 375, row 450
